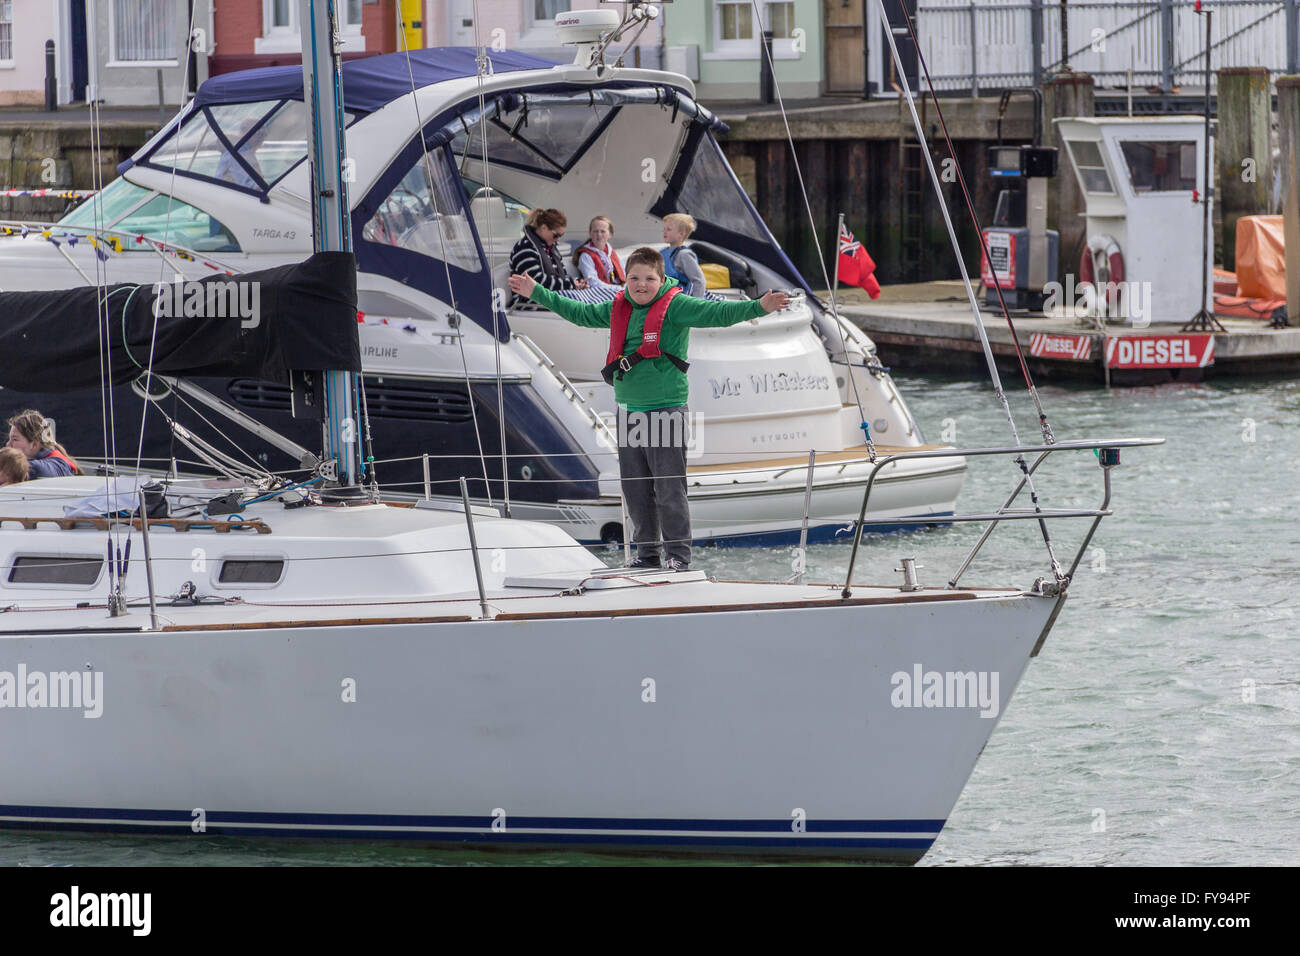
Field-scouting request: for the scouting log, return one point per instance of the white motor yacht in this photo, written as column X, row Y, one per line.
column 449, row 373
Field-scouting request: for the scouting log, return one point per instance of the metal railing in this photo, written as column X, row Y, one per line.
column 986, row 45
column 1108, row 455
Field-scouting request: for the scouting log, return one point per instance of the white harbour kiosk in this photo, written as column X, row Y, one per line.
column 1146, row 237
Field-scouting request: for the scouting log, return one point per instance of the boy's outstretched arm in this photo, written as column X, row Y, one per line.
column 579, row 313
column 707, row 314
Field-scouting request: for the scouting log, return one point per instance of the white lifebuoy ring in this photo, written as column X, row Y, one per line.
column 1102, row 265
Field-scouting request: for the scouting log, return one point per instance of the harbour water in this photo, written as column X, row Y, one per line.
column 1161, row 723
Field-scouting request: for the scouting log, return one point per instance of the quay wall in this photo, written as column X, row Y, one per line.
column 59, row 155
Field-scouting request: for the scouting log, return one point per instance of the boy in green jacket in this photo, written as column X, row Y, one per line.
column 650, row 325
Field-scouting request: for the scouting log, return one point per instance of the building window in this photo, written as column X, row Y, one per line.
column 6, row 31
column 780, row 19
column 734, row 30
column 547, row 9
column 281, row 33
column 144, row 30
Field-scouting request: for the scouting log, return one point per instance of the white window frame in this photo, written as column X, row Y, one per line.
column 113, row 59
column 289, row 39
column 7, row 63
column 751, row 49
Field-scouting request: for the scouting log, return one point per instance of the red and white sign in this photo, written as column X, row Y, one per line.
column 1002, row 250
column 1160, row 351
column 1077, row 348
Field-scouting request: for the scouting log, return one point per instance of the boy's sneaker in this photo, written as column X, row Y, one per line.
column 642, row 563
column 676, row 564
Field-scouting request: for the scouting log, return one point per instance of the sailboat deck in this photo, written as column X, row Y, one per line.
column 641, row 598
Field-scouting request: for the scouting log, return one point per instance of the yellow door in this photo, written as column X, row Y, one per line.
column 413, row 24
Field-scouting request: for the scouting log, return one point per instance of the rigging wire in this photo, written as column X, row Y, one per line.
column 167, row 224
column 1057, row 571
column 1044, row 425
column 481, row 63
column 821, row 259
column 442, row 241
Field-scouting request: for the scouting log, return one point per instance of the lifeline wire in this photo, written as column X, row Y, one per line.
column 1057, row 572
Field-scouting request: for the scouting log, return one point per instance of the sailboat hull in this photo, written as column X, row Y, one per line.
column 816, row 731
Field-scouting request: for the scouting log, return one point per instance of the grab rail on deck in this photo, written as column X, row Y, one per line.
column 1108, row 457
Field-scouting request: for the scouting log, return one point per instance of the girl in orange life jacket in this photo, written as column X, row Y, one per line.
column 31, row 434
column 650, row 324
column 596, row 258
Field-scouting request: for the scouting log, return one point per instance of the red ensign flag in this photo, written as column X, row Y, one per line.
column 855, row 266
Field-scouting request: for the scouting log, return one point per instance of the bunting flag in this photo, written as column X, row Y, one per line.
column 103, row 243
column 47, row 193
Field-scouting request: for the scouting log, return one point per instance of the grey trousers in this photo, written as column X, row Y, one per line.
column 652, row 465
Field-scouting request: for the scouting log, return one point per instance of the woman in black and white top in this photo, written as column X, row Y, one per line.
column 535, row 254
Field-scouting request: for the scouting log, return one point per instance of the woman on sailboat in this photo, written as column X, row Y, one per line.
column 597, row 259
column 536, row 256
column 31, row 433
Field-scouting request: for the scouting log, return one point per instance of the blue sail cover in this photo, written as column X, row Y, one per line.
column 368, row 83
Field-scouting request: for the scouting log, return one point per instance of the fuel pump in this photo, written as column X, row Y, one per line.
column 1024, row 252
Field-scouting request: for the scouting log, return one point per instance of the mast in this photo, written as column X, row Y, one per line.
column 331, row 226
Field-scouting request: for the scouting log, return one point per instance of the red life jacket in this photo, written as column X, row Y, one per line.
column 620, row 314
column 55, row 453
column 601, row 273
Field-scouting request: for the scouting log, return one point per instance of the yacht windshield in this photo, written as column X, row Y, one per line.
column 106, row 206
column 706, row 189
column 546, row 140
column 256, row 145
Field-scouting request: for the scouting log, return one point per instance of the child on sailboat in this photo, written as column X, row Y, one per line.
column 13, row 466
column 650, row 323
column 681, row 263
column 597, row 259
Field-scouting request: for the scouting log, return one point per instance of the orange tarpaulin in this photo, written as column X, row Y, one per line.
column 1261, row 258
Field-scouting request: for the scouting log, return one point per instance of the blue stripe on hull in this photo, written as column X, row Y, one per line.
column 817, row 534
column 841, row 838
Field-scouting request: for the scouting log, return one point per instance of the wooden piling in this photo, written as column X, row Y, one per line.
column 1288, row 114
column 1243, row 160
column 1066, row 94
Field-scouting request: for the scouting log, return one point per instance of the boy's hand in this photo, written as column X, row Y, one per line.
column 771, row 301
column 581, row 284
column 523, row 285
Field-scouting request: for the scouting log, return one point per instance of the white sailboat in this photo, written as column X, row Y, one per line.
column 308, row 661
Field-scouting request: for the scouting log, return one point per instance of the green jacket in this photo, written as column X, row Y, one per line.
column 654, row 383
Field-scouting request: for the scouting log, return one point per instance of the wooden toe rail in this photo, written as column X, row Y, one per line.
column 176, row 524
